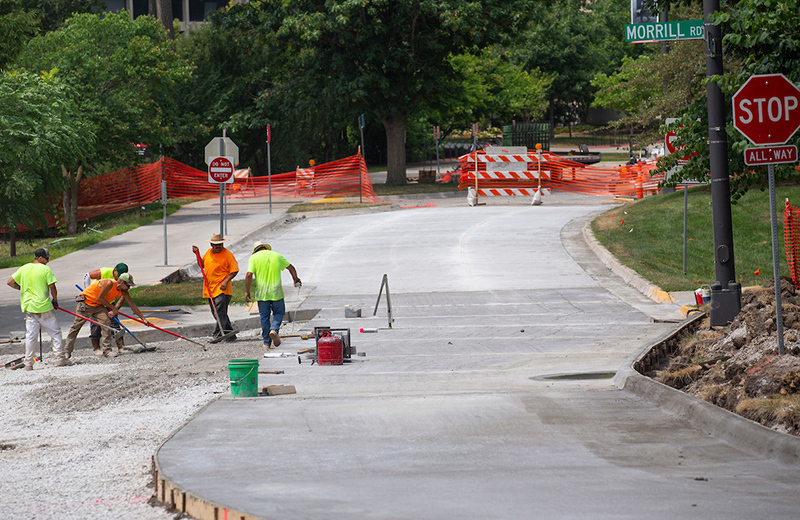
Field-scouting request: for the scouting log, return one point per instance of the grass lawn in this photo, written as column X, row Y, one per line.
column 650, row 239
column 187, row 293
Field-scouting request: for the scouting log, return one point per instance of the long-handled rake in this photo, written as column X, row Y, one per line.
column 162, row 330
column 213, row 307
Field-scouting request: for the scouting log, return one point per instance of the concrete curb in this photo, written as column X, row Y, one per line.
column 630, row 276
column 746, row 435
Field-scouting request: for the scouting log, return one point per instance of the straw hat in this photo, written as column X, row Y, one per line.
column 216, row 238
column 258, row 246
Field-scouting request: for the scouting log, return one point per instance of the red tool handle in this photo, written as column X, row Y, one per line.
column 162, row 330
column 208, row 289
column 84, row 318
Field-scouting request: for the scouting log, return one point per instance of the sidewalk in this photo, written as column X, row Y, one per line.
column 142, row 249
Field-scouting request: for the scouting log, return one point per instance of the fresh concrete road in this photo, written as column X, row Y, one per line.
column 449, row 414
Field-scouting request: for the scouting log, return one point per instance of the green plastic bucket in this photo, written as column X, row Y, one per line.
column 244, row 377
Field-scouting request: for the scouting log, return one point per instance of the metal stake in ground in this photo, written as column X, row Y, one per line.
column 213, row 307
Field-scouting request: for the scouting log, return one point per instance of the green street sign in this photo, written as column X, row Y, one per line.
column 664, row 31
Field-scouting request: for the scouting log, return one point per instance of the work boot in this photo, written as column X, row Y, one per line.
column 28, row 367
column 121, row 347
column 64, row 363
column 275, row 337
column 96, row 346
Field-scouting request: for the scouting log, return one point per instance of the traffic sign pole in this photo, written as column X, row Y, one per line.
column 775, row 258
column 269, row 167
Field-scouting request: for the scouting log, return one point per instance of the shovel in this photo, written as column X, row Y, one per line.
column 213, row 307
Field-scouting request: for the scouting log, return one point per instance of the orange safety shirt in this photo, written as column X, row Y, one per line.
column 217, row 267
column 92, row 293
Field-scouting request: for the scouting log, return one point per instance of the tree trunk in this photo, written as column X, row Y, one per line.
column 395, row 126
column 12, row 243
column 70, row 198
column 552, row 119
column 164, row 8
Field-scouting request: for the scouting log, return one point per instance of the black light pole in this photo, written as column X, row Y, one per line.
column 726, row 293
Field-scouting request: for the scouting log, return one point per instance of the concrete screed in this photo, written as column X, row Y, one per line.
column 447, row 415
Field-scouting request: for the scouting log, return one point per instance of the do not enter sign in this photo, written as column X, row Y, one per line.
column 766, row 109
column 220, row 170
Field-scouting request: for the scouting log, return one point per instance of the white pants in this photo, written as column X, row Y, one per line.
column 46, row 321
column 87, row 280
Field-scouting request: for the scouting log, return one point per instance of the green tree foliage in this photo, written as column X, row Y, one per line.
column 17, row 26
column 41, row 128
column 121, row 75
column 388, row 57
column 575, row 40
column 759, row 37
column 653, row 86
column 247, row 76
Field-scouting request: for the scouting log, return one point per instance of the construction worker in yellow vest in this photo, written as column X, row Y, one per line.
column 96, row 302
column 104, row 273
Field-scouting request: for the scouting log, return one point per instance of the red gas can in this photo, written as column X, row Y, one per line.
column 330, row 350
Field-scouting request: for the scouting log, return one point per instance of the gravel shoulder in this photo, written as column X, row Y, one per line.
column 77, row 442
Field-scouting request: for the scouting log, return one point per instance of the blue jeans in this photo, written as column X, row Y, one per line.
column 278, row 309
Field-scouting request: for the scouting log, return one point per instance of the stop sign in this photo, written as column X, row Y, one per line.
column 220, row 170
column 766, row 110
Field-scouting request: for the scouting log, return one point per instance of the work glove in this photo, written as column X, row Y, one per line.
column 55, row 304
column 298, row 283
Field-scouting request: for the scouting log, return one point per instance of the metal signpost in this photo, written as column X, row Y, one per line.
column 436, row 140
column 269, row 167
column 766, row 110
column 216, row 148
column 361, row 124
column 164, row 206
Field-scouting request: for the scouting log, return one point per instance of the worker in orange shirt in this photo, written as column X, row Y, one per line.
column 220, row 268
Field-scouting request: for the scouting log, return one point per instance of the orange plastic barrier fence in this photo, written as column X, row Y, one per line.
column 557, row 174
column 791, row 237
column 141, row 184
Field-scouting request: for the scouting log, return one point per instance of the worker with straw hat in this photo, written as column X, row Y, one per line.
column 219, row 268
column 264, row 268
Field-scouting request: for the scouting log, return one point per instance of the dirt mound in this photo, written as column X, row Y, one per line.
column 738, row 368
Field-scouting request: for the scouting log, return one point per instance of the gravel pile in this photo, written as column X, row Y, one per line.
column 77, row 442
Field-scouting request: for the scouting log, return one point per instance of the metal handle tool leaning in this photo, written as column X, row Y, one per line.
column 162, row 330
column 115, row 333
column 132, row 334
column 223, row 335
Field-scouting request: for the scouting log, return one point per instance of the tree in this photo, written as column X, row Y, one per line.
column 162, row 10
column 40, row 129
column 17, row 26
column 760, row 36
column 575, row 40
column 121, row 74
column 389, row 57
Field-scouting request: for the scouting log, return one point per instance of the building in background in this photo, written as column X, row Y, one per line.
column 189, row 12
